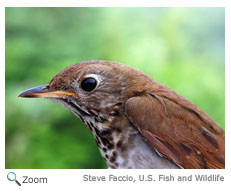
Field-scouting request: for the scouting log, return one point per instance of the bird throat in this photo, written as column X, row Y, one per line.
column 120, row 144
column 124, row 147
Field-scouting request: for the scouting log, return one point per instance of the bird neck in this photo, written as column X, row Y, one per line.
column 122, row 146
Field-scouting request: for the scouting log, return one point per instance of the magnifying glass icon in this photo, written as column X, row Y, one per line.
column 11, row 176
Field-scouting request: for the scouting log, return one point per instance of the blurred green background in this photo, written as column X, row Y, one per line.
column 182, row 48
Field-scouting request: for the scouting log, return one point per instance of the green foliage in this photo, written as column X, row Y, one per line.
column 182, row 48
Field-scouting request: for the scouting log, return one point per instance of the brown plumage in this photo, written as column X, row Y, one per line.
column 127, row 105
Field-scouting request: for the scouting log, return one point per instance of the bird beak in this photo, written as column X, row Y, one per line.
column 44, row 92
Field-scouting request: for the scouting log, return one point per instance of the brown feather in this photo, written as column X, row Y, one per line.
column 177, row 129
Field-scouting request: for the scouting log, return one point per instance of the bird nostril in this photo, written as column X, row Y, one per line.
column 46, row 88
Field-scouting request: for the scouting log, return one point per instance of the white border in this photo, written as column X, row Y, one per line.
column 71, row 180
column 227, row 87
column 116, row 3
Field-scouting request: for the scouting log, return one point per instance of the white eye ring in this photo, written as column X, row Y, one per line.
column 93, row 76
column 97, row 77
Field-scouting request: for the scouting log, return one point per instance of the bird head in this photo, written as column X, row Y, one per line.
column 90, row 87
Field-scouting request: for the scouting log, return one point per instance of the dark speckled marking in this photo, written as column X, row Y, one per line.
column 187, row 150
column 110, row 146
column 96, row 130
column 115, row 113
column 81, row 118
column 210, row 138
column 102, row 119
column 92, row 112
column 92, row 125
column 105, row 141
column 98, row 141
column 110, row 138
column 88, row 125
column 111, row 166
column 118, row 130
column 96, row 119
column 119, row 104
column 106, row 132
column 119, row 144
column 203, row 163
column 112, row 159
column 114, row 153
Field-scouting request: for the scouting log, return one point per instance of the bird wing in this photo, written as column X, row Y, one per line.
column 179, row 131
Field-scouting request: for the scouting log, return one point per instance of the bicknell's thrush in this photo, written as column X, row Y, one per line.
column 136, row 121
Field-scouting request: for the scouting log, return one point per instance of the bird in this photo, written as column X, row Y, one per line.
column 137, row 122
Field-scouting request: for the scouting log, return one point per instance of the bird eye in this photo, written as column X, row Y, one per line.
column 88, row 84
